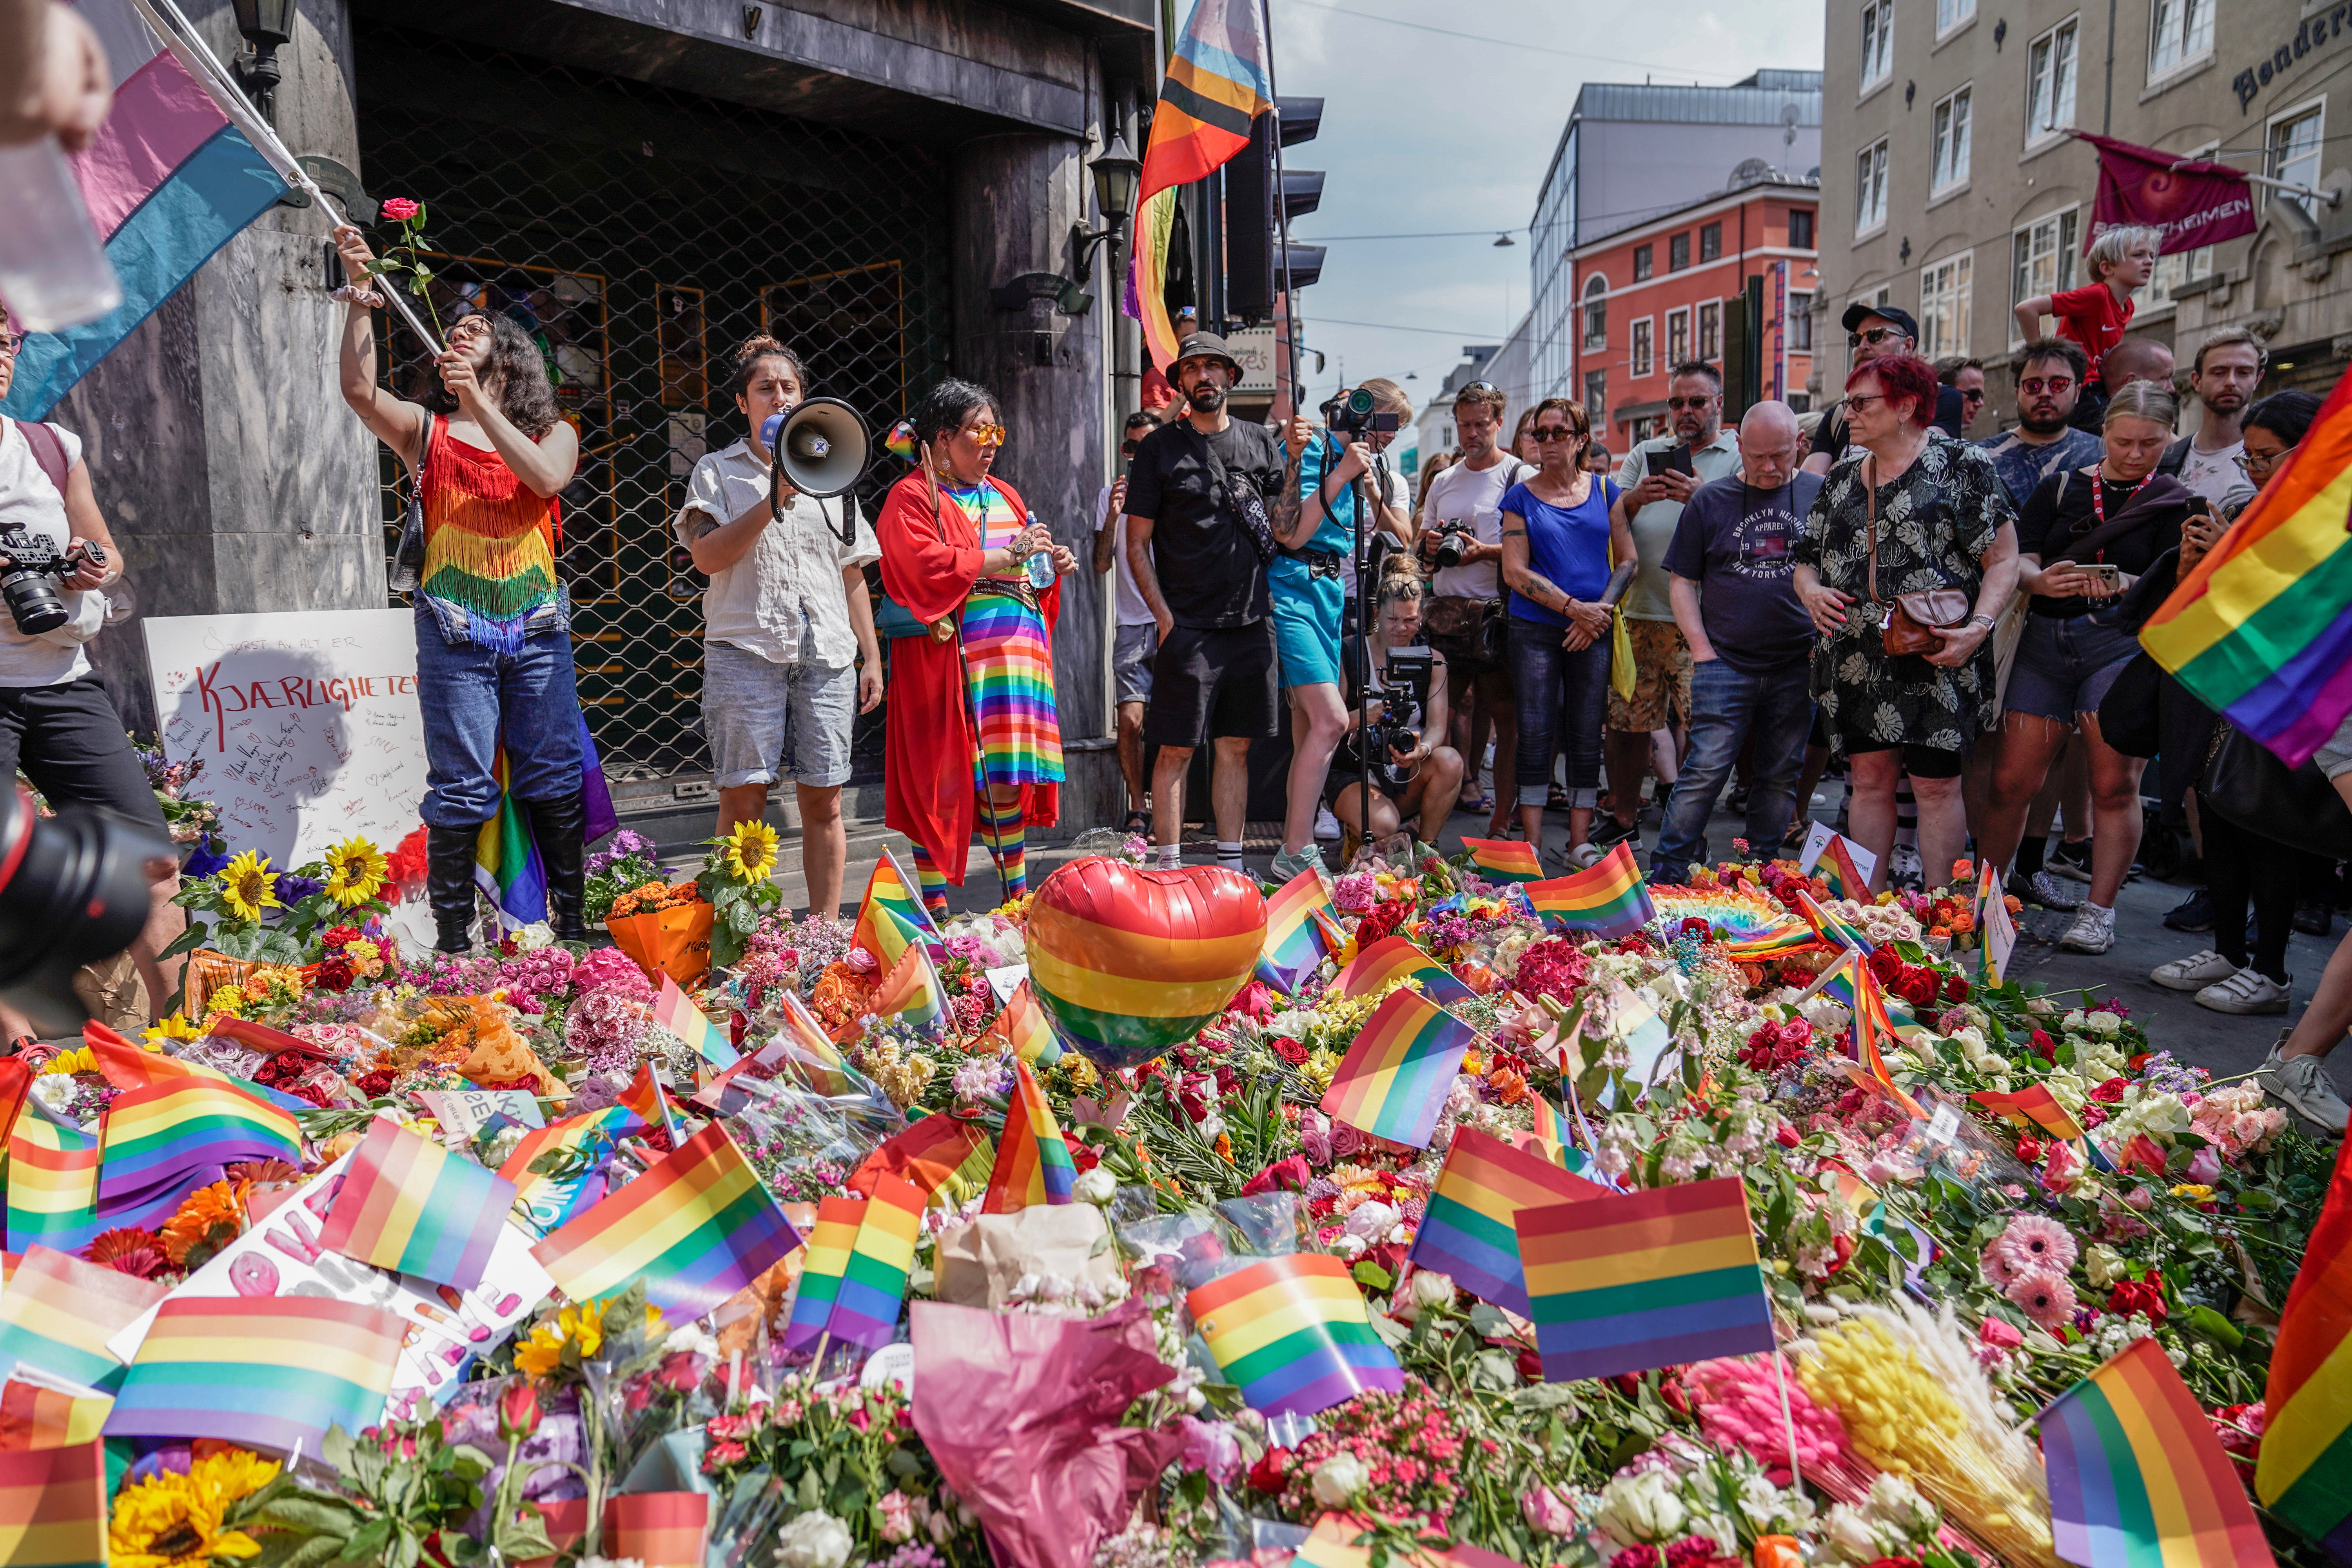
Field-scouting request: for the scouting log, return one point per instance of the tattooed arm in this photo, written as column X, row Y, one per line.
column 1585, row 622
column 1288, row 513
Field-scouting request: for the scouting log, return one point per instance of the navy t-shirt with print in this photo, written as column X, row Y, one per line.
column 1737, row 542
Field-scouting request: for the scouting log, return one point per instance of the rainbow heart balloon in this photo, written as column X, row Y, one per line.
column 1128, row 963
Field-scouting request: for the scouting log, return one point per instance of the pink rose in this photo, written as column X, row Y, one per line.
column 398, row 209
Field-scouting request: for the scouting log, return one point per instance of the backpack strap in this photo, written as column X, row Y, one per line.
column 47, row 451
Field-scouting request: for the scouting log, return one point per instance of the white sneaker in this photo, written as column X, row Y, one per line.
column 2093, row 930
column 1327, row 827
column 2194, row 973
column 2248, row 991
column 2303, row 1086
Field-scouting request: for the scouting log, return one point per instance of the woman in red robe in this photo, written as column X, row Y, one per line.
column 972, row 733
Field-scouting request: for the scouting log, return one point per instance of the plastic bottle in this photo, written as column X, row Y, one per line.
column 53, row 270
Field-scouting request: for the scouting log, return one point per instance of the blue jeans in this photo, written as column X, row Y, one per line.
column 1726, row 707
column 1563, row 701
column 474, row 698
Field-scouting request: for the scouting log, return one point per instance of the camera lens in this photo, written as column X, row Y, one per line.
column 33, row 601
column 73, row 887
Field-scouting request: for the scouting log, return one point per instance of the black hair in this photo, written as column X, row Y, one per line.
column 2066, row 348
column 749, row 355
column 946, row 406
column 516, row 377
column 2285, row 414
column 1142, row 419
column 1697, row 367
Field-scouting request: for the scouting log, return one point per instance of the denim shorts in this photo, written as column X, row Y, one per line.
column 2065, row 666
column 771, row 722
column 1131, row 652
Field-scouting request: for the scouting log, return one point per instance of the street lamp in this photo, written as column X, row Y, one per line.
column 266, row 23
column 1117, row 177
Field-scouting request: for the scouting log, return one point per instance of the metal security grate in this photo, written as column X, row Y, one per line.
column 641, row 233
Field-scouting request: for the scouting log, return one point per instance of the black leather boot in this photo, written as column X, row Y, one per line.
column 558, row 827
column 449, row 884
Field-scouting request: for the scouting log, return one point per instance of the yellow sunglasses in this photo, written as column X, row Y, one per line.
column 987, row 435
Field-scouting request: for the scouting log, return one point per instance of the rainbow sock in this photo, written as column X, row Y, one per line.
column 934, row 881
column 1009, row 841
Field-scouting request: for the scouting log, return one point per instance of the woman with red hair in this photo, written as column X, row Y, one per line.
column 1905, row 513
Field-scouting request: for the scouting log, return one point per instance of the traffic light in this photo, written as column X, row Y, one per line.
column 1252, row 228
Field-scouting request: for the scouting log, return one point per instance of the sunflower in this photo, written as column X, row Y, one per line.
column 79, row 1059
column 174, row 1027
column 355, row 871
column 247, row 885
column 580, row 1328
column 210, row 1217
column 751, row 851
column 172, row 1521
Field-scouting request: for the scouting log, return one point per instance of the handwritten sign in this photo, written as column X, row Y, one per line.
column 306, row 722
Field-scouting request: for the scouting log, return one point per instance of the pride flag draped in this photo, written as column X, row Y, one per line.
column 940, row 1153
column 699, row 1227
column 1607, row 898
column 1650, row 1279
column 59, row 1312
column 2031, row 1106
column 1291, row 1331
column 1505, row 859
column 271, row 1371
column 1394, row 957
column 2137, row 1476
column 911, row 990
column 53, row 1511
column 2304, row 1475
column 674, row 1010
column 154, row 1138
column 1393, row 1080
column 1022, row 1029
column 409, row 1205
column 1469, row 1230
column 51, row 1178
column 1220, row 78
column 506, row 866
column 1033, row 1161
column 1872, row 1030
column 37, row 1415
column 2262, row 630
column 1300, row 932
column 827, row 1260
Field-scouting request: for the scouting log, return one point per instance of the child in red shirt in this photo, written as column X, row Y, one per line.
column 2121, row 259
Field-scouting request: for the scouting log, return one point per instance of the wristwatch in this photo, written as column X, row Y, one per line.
column 1988, row 621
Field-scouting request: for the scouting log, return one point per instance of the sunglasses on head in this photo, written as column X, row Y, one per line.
column 2034, row 385
column 1873, row 335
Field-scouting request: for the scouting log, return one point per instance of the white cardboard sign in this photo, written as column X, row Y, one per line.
column 306, row 722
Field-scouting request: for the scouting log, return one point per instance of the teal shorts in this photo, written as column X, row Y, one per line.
column 1307, row 611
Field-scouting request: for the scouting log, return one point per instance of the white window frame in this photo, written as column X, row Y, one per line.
column 2316, row 111
column 1596, row 409
column 1951, row 16
column 2065, row 233
column 1951, row 126
column 2185, row 24
column 1596, row 298
column 1938, row 337
column 1877, row 42
column 1870, row 189
column 2041, row 129
column 1699, row 331
column 1801, row 323
column 1674, row 356
column 1641, row 347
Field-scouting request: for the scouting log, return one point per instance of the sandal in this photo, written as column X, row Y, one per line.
column 1473, row 804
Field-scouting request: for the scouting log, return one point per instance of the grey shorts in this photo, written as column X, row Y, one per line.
column 1131, row 652
column 771, row 722
column 2335, row 753
column 2064, row 667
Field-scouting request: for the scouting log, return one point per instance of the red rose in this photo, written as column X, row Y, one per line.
column 1788, row 1135
column 1884, row 965
column 375, row 1085
column 398, row 209
column 2138, row 1296
column 1916, row 986
column 1956, row 989
column 2110, row 1092
column 518, row 1412
column 1289, row 1050
column 1287, row 1174
column 2029, row 1152
column 1267, row 1475
column 2043, row 1047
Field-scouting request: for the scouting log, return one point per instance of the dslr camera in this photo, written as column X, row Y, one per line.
column 1350, row 415
column 73, row 887
column 34, row 575
column 1453, row 542
column 1404, row 697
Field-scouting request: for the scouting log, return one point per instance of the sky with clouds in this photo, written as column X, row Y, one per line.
column 1443, row 117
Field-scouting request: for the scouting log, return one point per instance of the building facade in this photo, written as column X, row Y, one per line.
column 1631, row 152
column 1658, row 293
column 1953, row 189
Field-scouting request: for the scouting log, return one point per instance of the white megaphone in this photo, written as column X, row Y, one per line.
column 821, row 447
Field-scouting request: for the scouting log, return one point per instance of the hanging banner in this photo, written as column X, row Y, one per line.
column 2198, row 203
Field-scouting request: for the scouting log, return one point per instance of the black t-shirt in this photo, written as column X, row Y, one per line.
column 1832, row 436
column 1209, row 571
column 1738, row 544
column 2060, row 510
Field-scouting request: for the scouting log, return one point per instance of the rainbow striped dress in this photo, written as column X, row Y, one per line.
column 1008, row 662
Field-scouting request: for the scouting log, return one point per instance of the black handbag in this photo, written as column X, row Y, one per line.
column 2246, row 782
column 2127, row 713
column 408, row 561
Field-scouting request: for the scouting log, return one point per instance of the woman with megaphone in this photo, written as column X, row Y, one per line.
column 974, row 734
column 789, row 657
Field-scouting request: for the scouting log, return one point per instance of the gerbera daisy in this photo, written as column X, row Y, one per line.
column 356, row 869
column 751, row 851
column 127, row 1250
column 2035, row 1241
column 210, row 1217
column 2043, row 1296
column 247, row 885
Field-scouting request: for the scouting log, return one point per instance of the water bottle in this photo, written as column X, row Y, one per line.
column 1040, row 570
column 53, row 271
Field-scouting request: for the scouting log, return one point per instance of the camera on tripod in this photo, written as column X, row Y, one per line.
column 1404, row 697
column 1350, row 414
column 35, row 573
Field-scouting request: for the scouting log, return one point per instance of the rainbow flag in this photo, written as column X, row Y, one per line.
column 1830, row 929
column 1395, row 958
column 676, row 1011
column 2137, row 1476
column 1120, row 977
column 38, row 1416
column 660, row 1530
column 2304, row 1474
column 1557, row 1138
column 699, row 1227
column 1220, row 78
column 873, row 1287
column 2262, row 630
column 154, row 1138
column 1299, row 933
column 1033, row 1163
column 51, row 1177
column 2035, row 1106
column 1650, row 1279
column 1292, row 1332
column 551, row 1201
column 1505, row 859
column 1468, row 1229
column 53, row 1511
column 830, row 1242
column 1395, row 1077
column 1873, row 1026
column 60, row 1311
column 812, row 1057
column 886, row 933
column 507, row 866
column 1024, row 1030
column 1607, row 898
column 1837, row 869
column 408, row 1205
column 947, row 1155
column 15, row 1083
column 644, row 1100
column 128, row 1067
column 887, row 892
column 269, row 1371
column 911, row 991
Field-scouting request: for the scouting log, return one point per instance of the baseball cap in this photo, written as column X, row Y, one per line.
column 1858, row 312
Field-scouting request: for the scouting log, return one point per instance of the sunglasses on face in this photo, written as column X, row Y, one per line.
column 2035, row 385
column 1556, row 433
column 1679, row 404
column 987, row 435
column 1128, row 448
column 1972, row 397
column 1872, row 335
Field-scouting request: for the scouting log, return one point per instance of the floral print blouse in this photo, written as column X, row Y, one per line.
column 1936, row 522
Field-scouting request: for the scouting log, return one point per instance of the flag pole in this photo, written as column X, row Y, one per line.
column 1281, row 216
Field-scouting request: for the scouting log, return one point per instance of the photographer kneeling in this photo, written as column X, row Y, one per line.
column 1409, row 775
column 57, row 721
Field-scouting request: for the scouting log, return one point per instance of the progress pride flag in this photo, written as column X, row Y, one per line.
column 2200, row 203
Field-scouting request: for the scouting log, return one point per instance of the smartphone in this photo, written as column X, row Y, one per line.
column 1678, row 461
column 2108, row 577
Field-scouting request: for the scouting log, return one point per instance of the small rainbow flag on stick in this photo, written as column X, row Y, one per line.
column 886, row 933
column 830, row 1243
column 37, row 1415
column 549, row 1201
column 1505, row 859
column 2035, row 1106
column 270, row 1370
column 408, row 1205
column 1393, row 1080
column 873, row 1286
column 676, row 1011
column 1292, row 1332
column 911, row 991
column 2304, row 1474
column 889, row 889
column 1607, row 898
column 59, row 1312
column 644, row 1100
column 156, row 1137
column 53, row 1509
column 1648, row 1280
column 2137, row 1476
column 940, row 1153
column 1872, row 1026
column 699, row 1227
column 1033, row 1163
column 1394, row 957
column 660, row 1530
column 51, row 1178
column 1468, row 1230
column 1830, row 929
column 1299, row 932
column 1022, row 1029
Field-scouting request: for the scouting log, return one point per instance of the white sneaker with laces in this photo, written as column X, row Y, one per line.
column 2248, row 991
column 1327, row 827
column 2093, row 930
column 2194, row 973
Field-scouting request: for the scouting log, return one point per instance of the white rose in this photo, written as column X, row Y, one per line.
column 1338, row 1479
column 534, row 936
column 815, row 1540
column 1893, row 1502
column 1095, row 1186
column 1850, row 1534
column 1431, row 1288
column 1641, row 1507
column 2073, row 1023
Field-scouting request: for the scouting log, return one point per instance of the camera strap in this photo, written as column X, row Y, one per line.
column 48, row 452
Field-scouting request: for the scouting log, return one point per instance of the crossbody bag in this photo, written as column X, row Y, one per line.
column 1913, row 620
